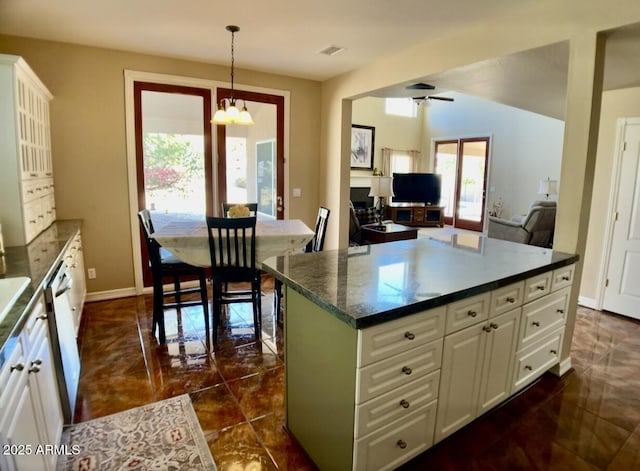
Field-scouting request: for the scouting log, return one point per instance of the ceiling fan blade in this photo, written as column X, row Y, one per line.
column 442, row 98
column 420, row 86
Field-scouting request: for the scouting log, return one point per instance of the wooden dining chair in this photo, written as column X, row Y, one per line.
column 232, row 245
column 315, row 245
column 164, row 265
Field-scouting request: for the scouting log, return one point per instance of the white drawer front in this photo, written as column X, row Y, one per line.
column 506, row 298
column 396, row 404
column 533, row 361
column 385, row 375
column 388, row 339
column 562, row 277
column 542, row 316
column 397, row 442
column 466, row 312
column 537, row 287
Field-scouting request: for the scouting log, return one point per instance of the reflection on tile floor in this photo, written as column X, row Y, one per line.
column 589, row 419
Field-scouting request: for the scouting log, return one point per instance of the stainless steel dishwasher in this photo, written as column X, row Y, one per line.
column 63, row 339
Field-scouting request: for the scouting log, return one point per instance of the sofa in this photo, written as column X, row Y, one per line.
column 534, row 228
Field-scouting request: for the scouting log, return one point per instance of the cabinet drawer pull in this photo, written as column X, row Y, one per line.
column 511, row 300
column 540, row 288
column 34, row 369
column 535, row 324
column 42, row 317
column 487, row 328
column 36, row 362
column 402, row 444
column 406, row 370
column 494, row 326
column 409, row 335
column 553, row 352
column 565, row 278
column 17, row 367
column 528, row 367
column 472, row 313
column 560, row 311
column 404, row 404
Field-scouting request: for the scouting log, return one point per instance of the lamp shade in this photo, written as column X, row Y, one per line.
column 548, row 187
column 381, row 186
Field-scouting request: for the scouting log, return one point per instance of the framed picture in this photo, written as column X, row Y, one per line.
column 362, row 142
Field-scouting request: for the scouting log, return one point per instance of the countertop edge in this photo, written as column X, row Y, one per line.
column 419, row 306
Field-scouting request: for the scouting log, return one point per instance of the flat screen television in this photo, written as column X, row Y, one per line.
column 417, row 188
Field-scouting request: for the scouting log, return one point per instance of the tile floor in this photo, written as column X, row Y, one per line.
column 589, row 419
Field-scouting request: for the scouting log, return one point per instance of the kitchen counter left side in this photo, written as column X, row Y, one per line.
column 37, row 261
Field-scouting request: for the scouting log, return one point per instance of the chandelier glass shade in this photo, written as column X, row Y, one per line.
column 228, row 111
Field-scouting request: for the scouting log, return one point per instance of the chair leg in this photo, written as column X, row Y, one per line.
column 205, row 301
column 278, row 299
column 176, row 289
column 257, row 307
column 158, row 309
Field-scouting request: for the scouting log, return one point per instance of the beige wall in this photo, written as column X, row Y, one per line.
column 616, row 105
column 89, row 149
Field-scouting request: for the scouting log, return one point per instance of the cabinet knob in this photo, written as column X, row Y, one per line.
column 472, row 313
column 565, row 278
column 409, row 335
column 404, row 404
column 494, row 326
column 540, row 288
column 511, row 300
column 406, row 370
column 42, row 317
column 34, row 369
column 487, row 328
column 17, row 367
column 36, row 362
column 401, row 443
column 553, row 352
column 528, row 367
column 560, row 311
column 535, row 324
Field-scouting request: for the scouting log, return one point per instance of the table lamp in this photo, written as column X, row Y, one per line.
column 381, row 187
column 548, row 187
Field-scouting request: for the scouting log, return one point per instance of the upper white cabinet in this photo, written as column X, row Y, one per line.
column 26, row 180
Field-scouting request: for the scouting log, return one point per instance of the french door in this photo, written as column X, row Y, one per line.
column 174, row 153
column 463, row 165
column 251, row 158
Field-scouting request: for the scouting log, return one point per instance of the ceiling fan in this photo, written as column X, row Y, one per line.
column 423, row 99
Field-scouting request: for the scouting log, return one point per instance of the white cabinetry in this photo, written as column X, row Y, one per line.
column 26, row 180
column 74, row 259
column 30, row 411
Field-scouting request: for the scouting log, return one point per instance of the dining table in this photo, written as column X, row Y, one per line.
column 185, row 236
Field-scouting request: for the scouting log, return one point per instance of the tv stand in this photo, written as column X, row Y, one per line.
column 416, row 214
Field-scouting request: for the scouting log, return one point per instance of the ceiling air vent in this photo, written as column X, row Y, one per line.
column 331, row 50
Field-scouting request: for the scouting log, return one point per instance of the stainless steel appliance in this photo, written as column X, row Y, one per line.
column 63, row 339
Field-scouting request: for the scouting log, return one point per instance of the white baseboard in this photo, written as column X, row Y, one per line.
column 111, row 294
column 562, row 368
column 588, row 302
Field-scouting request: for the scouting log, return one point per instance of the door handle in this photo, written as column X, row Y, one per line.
column 279, row 203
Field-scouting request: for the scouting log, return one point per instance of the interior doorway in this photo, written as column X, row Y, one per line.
column 463, row 165
column 251, row 158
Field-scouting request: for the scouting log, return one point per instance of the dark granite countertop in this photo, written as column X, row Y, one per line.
column 371, row 284
column 36, row 261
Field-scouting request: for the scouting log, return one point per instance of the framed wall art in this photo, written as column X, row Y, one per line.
column 362, row 145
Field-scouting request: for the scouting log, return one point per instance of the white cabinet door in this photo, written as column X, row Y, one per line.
column 498, row 361
column 460, row 379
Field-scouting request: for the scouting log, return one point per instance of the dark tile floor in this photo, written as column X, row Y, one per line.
column 589, row 419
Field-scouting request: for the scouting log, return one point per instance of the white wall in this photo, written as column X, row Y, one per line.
column 394, row 132
column 525, row 146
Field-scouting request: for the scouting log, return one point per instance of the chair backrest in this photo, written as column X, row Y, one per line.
column 540, row 223
column 232, row 245
column 153, row 248
column 317, row 243
column 253, row 208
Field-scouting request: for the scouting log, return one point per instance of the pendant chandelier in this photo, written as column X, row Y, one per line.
column 228, row 112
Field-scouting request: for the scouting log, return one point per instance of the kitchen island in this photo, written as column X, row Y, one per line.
column 390, row 348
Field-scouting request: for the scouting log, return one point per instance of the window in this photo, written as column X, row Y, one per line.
column 401, row 162
column 400, row 107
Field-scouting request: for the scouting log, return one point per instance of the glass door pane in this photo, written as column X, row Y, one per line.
column 173, row 153
column 446, row 164
column 471, row 183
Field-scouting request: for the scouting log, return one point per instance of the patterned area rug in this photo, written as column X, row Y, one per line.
column 164, row 435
